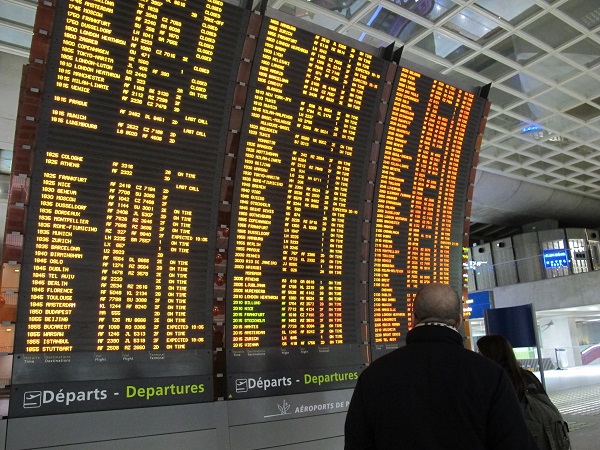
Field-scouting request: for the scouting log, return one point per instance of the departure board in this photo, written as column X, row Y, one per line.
column 224, row 204
column 116, row 296
column 294, row 273
column 421, row 193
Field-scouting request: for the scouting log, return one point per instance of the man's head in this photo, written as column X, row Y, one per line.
column 438, row 303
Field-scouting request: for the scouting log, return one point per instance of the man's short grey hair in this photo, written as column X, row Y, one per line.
column 438, row 302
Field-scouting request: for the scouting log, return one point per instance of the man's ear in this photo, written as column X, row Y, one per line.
column 459, row 322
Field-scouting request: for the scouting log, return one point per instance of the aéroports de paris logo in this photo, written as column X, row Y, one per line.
column 284, row 409
column 32, row 399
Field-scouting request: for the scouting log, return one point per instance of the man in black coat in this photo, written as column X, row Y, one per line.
column 433, row 393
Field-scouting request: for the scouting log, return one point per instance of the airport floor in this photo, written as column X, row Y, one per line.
column 576, row 393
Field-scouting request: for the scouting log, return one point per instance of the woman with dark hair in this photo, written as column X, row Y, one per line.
column 498, row 348
column 544, row 420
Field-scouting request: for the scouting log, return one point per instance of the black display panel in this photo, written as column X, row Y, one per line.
column 420, row 202
column 294, row 274
column 116, row 296
column 201, row 171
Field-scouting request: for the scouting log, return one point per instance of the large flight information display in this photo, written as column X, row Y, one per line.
column 294, row 319
column 422, row 188
column 224, row 204
column 116, row 297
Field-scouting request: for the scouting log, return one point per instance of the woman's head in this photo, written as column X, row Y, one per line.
column 498, row 348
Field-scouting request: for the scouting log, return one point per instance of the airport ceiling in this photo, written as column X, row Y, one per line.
column 540, row 157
